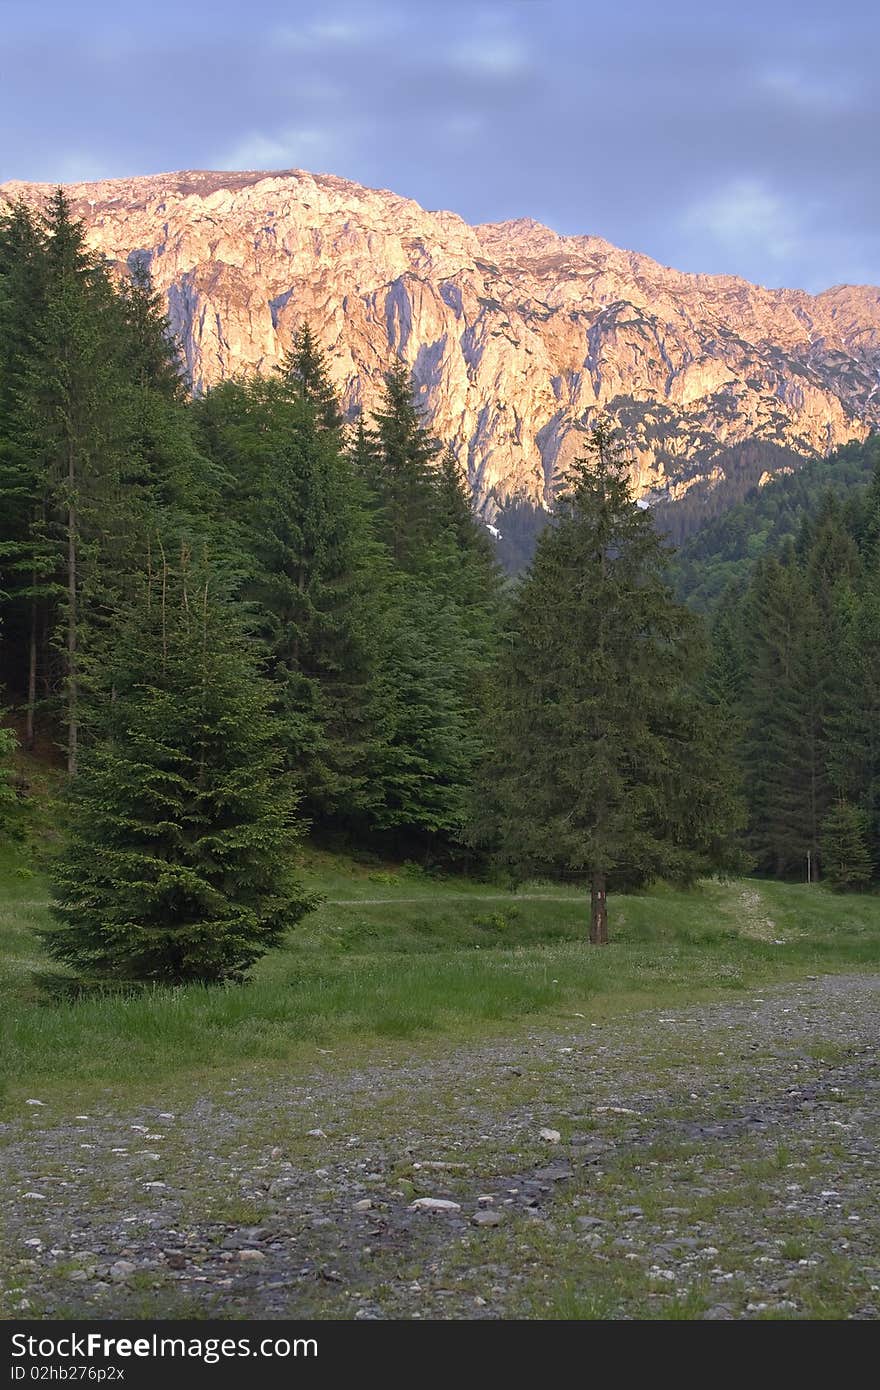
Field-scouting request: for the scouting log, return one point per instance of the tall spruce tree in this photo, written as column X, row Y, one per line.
column 73, row 429
column 783, row 703
column 304, row 367
column 472, row 578
column 150, row 356
column 28, row 563
column 437, row 632
column 95, row 450
column 177, row 865
column 846, row 857
column 401, row 470
column 853, row 721
column 426, row 712
column 306, row 574
column 604, row 764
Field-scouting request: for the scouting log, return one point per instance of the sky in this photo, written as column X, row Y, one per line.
column 735, row 138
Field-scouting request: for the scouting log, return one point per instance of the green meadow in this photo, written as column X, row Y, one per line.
column 394, row 953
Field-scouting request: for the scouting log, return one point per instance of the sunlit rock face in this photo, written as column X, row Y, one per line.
column 517, row 336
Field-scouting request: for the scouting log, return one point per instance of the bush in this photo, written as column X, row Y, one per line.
column 498, row 921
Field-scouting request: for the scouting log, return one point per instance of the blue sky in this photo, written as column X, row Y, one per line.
column 733, row 138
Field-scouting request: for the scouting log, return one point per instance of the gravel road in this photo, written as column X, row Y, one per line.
column 712, row 1161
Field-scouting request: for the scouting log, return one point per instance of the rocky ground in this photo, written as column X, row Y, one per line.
column 715, row 1161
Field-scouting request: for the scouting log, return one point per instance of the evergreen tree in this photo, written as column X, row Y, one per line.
column 401, row 470
column 9, row 815
column 150, row 356
column 726, row 675
column 304, row 367
column 427, row 717
column 785, row 701
column 846, row 858
column 73, row 430
column 438, row 635
column 472, row 577
column 854, row 719
column 306, row 573
column 868, row 533
column 177, row 863
column 27, row 558
column 828, row 551
column 604, row 764
column 167, row 481
column 95, row 451
column 799, row 652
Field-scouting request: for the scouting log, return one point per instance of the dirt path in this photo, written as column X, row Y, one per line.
column 713, row 1161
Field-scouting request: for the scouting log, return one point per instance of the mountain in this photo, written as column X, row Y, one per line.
column 517, row 336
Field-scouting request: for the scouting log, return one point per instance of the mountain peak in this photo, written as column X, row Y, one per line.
column 517, row 336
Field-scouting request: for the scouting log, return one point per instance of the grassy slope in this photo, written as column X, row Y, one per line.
column 446, row 957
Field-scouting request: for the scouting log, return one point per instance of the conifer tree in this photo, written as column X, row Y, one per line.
column 304, row 367
column 401, row 469
column 362, row 452
column 854, row 719
column 95, row 450
column 726, row 674
column 604, row 765
column 27, row 558
column 74, row 426
column 306, row 574
column 846, row 858
column 464, row 551
column 438, row 632
column 829, row 552
column 149, row 356
column 180, row 834
column 868, row 527
column 9, row 811
column 427, row 717
column 784, row 747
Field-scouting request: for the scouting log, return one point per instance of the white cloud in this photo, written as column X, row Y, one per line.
column 807, row 92
column 745, row 215
column 286, row 149
column 493, row 57
column 78, row 166
column 331, row 32
column 337, row 31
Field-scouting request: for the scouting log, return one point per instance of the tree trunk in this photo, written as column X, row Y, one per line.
column 29, row 733
column 598, row 911
column 44, row 656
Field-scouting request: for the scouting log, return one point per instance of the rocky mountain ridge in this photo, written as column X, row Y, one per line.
column 517, row 336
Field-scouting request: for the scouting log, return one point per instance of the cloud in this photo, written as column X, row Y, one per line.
column 331, row 32
column 286, row 149
column 492, row 57
column 338, row 31
column 745, row 215
column 729, row 145
column 808, row 93
column 79, row 166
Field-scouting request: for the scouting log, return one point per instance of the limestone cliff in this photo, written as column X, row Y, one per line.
column 516, row 336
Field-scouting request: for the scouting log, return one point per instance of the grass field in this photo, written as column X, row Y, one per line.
column 394, row 953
